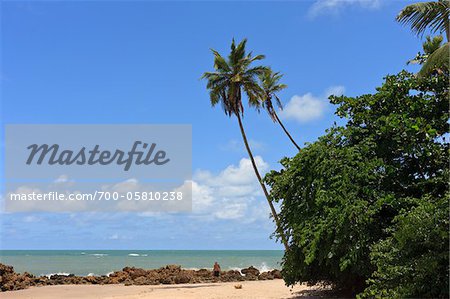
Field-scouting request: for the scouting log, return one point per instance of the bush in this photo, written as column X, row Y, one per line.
column 346, row 196
column 415, row 258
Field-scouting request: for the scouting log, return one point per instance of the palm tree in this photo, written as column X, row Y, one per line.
column 426, row 15
column 433, row 15
column 435, row 56
column 438, row 61
column 271, row 86
column 430, row 45
column 231, row 78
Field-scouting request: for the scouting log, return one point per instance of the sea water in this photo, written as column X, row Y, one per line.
column 103, row 262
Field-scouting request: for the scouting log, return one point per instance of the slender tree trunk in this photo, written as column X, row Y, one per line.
column 447, row 31
column 266, row 193
column 286, row 131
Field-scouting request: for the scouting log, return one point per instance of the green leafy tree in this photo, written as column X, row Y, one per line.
column 270, row 83
column 433, row 16
column 413, row 261
column 352, row 198
column 231, row 78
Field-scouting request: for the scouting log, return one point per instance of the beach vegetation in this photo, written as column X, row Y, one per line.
column 366, row 206
column 430, row 16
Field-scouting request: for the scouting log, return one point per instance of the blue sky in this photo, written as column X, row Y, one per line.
column 140, row 62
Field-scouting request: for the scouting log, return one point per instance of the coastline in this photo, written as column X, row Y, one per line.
column 170, row 281
column 105, row 262
column 267, row 289
column 168, row 275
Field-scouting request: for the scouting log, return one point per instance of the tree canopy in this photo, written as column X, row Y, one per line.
column 233, row 76
column 353, row 201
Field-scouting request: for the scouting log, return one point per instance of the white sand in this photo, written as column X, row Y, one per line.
column 250, row 289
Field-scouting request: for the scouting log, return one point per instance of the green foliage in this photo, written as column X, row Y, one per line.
column 359, row 186
column 414, row 259
column 429, row 46
column 270, row 83
column 433, row 15
column 233, row 76
column 438, row 61
column 432, row 44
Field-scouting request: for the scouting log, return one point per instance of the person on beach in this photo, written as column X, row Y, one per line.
column 216, row 269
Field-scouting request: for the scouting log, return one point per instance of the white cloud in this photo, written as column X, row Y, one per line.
column 129, row 185
column 233, row 193
column 303, row 108
column 242, row 174
column 308, row 107
column 320, row 7
column 202, row 197
column 232, row 211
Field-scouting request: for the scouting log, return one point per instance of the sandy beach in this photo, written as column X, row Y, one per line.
column 250, row 289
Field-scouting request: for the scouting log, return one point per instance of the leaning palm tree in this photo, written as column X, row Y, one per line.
column 270, row 83
column 231, row 78
column 433, row 15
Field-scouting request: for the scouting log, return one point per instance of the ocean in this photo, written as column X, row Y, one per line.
column 103, row 262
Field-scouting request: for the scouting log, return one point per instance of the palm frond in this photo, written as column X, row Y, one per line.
column 234, row 76
column 437, row 61
column 237, row 53
column 219, row 62
column 253, row 97
column 271, row 86
column 279, row 104
column 257, row 70
column 426, row 15
column 257, row 57
column 432, row 44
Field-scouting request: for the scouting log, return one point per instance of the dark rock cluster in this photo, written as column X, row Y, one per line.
column 170, row 274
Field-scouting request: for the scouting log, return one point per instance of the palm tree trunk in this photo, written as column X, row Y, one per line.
column 272, row 208
column 286, row 131
column 447, row 31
